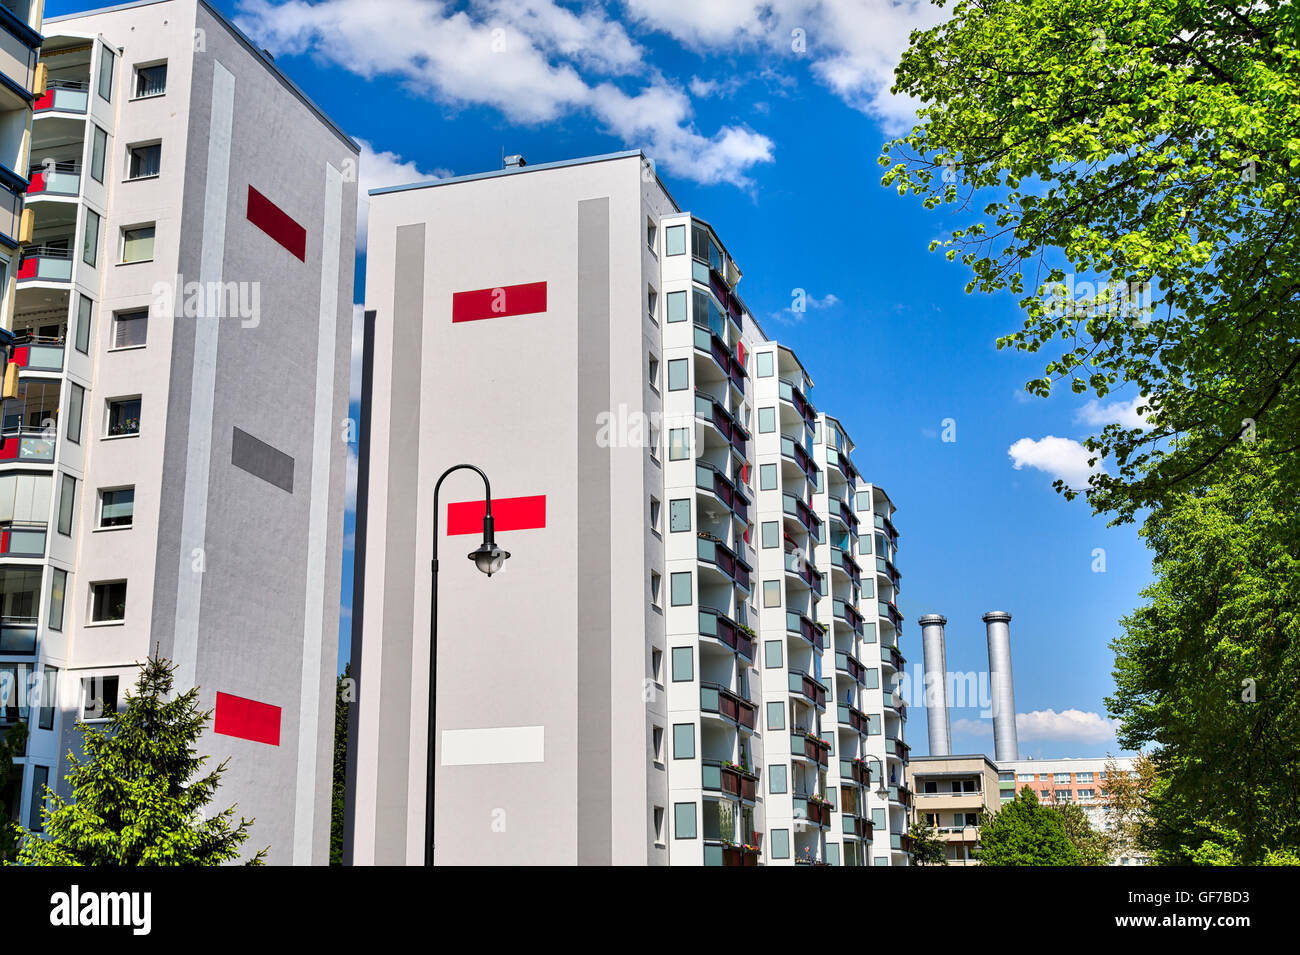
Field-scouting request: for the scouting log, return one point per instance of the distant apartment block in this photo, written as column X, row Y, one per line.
column 172, row 473
column 691, row 657
column 950, row 793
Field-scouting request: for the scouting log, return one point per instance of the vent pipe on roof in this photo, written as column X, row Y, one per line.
column 513, row 162
column 936, row 683
column 1005, row 745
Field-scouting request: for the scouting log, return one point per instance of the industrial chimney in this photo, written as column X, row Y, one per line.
column 1005, row 746
column 936, row 684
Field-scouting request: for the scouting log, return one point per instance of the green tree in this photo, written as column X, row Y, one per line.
column 342, row 697
column 1207, row 669
column 1095, row 847
column 1127, row 800
column 927, row 848
column 138, row 798
column 13, row 742
column 1128, row 143
column 1023, row 832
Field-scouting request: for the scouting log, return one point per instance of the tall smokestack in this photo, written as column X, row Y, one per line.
column 1005, row 746
column 936, row 684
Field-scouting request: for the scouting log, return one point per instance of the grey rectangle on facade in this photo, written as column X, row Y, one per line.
column 261, row 460
column 595, row 746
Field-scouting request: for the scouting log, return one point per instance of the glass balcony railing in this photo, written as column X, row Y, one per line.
column 68, row 96
column 46, row 263
column 715, row 698
column 806, row 746
column 716, row 624
column 22, row 539
column 17, row 59
column 27, row 444
column 11, row 213
column 56, row 178
column 807, row 687
column 728, row 778
column 798, row 623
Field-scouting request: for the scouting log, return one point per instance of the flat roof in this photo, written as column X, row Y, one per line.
column 240, row 35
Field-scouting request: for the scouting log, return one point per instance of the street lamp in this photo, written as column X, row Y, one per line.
column 487, row 557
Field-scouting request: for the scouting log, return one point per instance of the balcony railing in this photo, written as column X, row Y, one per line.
column 795, row 452
column 891, row 656
column 22, row 538
column 46, row 263
column 38, row 353
column 59, row 178
column 798, row 623
column 853, row 718
column 890, row 612
column 27, row 444
column 800, row 402
column 808, row 687
column 855, row 770
column 857, row 826
column 817, row 813
column 843, row 610
column 11, row 212
column 728, row 779
column 805, row 746
column 725, row 854
column 17, row 59
column 847, row 663
column 716, row 624
column 68, row 96
column 841, row 559
column 715, row 698
column 800, row 511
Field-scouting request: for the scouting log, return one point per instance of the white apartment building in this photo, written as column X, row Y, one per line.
column 691, row 655
column 172, row 473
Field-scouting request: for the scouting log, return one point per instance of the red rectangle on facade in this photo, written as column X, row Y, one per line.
column 508, row 513
column 277, row 223
column 247, row 719
column 499, row 302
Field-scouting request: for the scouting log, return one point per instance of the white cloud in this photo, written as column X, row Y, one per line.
column 980, row 728
column 1117, row 412
column 1068, row 726
column 1062, row 458
column 527, row 62
column 379, row 169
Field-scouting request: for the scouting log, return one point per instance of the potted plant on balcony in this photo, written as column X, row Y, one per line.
column 747, row 630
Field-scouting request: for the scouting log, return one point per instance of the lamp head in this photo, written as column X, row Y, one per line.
column 488, row 557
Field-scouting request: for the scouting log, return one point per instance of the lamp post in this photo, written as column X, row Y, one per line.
column 487, row 557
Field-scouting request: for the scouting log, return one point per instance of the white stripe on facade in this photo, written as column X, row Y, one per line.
column 203, row 382
column 498, row 744
column 317, row 527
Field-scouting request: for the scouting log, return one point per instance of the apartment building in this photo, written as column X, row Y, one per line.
column 679, row 663
column 172, row 473
column 950, row 793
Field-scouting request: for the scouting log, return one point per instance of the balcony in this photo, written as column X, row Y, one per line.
column 840, row 461
column 46, row 263
column 27, row 443
column 843, row 610
column 58, row 178
column 18, row 46
column 717, row 699
column 800, row 511
column 711, row 479
column 847, row 663
column 856, row 770
column 857, row 827
column 885, row 524
column 728, row 778
column 841, row 559
column 852, row 718
column 708, row 408
column 891, row 657
column 890, row 612
column 796, row 398
column 798, row 566
column 805, row 746
column 64, row 96
column 808, row 688
column 709, row 340
column 726, row 854
column 716, row 625
column 816, row 811
column 885, row 567
column 792, row 450
column 797, row 623
column 896, row 747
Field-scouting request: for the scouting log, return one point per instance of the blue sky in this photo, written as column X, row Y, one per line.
column 766, row 119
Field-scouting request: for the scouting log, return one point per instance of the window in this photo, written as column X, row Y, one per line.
column 101, row 697
column 1026, row 777
column 679, row 515
column 683, row 741
column 655, row 585
column 679, row 444
column 137, row 244
column 684, row 820
column 106, row 61
column 776, row 778
column 763, row 363
column 780, row 843
column 143, row 161
column 776, row 716
column 681, row 589
column 97, row 153
column 683, row 664
column 67, row 500
column 76, row 400
column 771, row 593
column 1063, row 795
column 767, row 477
column 123, row 417
column 12, row 707
column 657, row 743
column 771, row 534
column 130, row 329
column 766, row 420
column 117, row 507
column 676, row 306
column 108, row 602
column 657, row 665
column 654, row 514
column 90, row 239
column 659, row 825
column 49, row 694
column 772, row 654
column 40, row 779
column 85, row 316
column 58, row 588
column 679, row 374
column 675, row 243
column 151, row 80
column 1087, row 795
column 1083, row 777
column 1061, row 778
column 652, row 372
column 650, row 232
column 654, row 443
column 652, row 297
